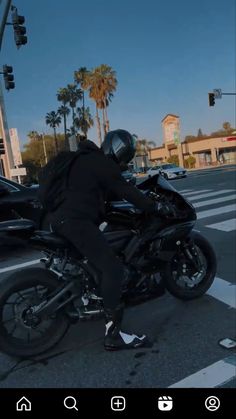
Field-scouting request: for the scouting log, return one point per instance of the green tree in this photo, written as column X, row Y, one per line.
column 33, row 153
column 199, row 133
column 80, row 77
column 143, row 146
column 173, row 159
column 63, row 96
column 33, row 135
column 108, row 82
column 84, row 120
column 190, row 162
column 101, row 82
column 227, row 127
column 53, row 119
column 64, row 111
column 74, row 95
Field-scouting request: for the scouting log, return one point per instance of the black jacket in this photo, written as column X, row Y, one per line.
column 92, row 177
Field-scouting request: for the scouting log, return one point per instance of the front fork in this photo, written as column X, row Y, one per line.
column 191, row 253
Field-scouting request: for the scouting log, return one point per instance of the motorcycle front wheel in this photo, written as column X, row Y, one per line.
column 22, row 333
column 181, row 277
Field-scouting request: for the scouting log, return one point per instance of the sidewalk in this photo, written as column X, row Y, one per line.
column 217, row 166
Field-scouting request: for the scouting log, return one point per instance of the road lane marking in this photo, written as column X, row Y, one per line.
column 214, row 375
column 208, row 195
column 214, row 201
column 185, row 190
column 227, row 225
column 19, row 266
column 216, row 211
column 223, row 291
column 197, row 192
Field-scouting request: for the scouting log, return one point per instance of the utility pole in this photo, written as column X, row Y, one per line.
column 3, row 118
column 4, row 20
column 44, row 148
column 20, row 39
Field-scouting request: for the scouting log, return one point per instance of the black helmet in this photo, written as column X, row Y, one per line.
column 120, row 145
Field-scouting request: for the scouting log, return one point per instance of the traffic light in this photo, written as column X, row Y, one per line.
column 211, row 98
column 2, row 147
column 8, row 77
column 19, row 30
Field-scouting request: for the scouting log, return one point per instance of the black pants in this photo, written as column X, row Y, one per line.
column 91, row 243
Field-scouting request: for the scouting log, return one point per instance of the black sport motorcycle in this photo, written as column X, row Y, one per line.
column 37, row 305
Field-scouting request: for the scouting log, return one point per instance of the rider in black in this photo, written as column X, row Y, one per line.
column 92, row 177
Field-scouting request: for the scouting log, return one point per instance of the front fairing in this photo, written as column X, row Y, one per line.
column 166, row 192
column 156, row 181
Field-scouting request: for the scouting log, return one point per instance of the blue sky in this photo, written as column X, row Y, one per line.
column 167, row 54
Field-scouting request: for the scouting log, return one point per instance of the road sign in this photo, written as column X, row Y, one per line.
column 20, row 171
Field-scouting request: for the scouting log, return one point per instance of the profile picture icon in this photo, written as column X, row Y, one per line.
column 212, row 403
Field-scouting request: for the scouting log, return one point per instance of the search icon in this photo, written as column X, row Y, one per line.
column 70, row 403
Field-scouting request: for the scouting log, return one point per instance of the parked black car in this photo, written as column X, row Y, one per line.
column 19, row 201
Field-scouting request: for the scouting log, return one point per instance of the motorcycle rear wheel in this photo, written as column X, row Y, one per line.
column 23, row 334
column 190, row 288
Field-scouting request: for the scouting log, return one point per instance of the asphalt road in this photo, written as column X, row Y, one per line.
column 186, row 352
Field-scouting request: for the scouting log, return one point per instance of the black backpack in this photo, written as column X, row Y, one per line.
column 53, row 179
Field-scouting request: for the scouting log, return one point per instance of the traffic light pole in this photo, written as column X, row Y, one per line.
column 4, row 20
column 3, row 118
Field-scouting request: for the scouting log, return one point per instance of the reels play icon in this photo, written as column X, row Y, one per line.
column 165, row 403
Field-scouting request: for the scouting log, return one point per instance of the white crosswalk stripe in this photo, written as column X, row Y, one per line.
column 227, row 225
column 216, row 211
column 185, row 190
column 195, row 192
column 214, row 200
column 208, row 195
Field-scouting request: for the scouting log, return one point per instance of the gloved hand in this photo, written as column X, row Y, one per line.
column 164, row 209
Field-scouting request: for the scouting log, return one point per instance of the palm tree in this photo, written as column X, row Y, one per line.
column 107, row 82
column 80, row 77
column 84, row 120
column 142, row 148
column 101, row 83
column 227, row 127
column 33, row 135
column 74, row 95
column 53, row 120
column 63, row 96
column 91, row 86
column 64, row 111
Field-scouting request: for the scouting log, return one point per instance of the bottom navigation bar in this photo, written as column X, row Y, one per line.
column 109, row 403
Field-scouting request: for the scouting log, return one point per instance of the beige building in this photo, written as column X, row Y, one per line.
column 207, row 151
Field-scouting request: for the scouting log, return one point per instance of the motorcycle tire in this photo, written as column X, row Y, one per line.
column 184, row 293
column 15, row 284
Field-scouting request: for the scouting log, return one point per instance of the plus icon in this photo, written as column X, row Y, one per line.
column 118, row 403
